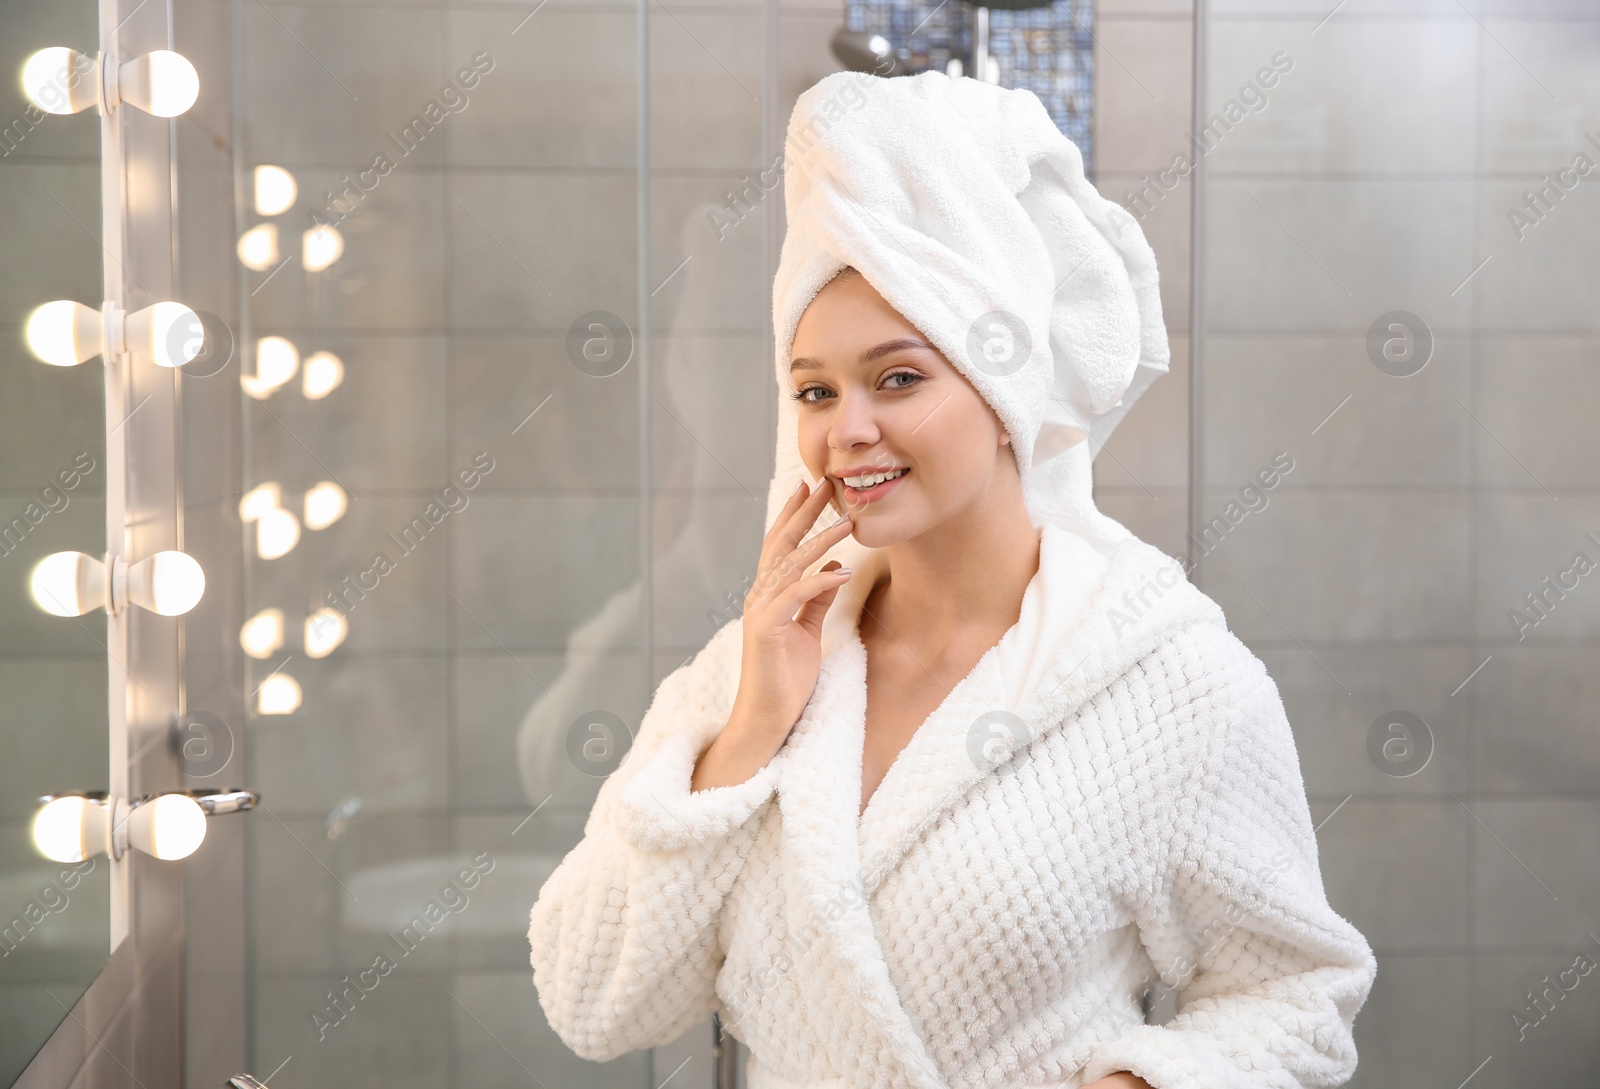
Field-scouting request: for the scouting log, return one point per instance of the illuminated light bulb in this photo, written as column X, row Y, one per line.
column 321, row 247
column 277, row 532
column 69, row 583
column 275, row 190
column 277, row 360
column 325, row 630
column 279, row 694
column 326, row 503
column 61, row 80
column 168, row 583
column 162, row 83
column 324, row 372
column 258, row 247
column 259, row 500
column 65, row 333
column 169, row 826
column 165, row 333
column 72, row 828
column 262, row 634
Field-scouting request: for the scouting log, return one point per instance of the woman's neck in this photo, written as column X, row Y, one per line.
column 941, row 589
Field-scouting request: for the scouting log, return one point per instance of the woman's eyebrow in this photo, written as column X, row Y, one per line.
column 899, row 344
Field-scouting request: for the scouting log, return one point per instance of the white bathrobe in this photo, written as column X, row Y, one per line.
column 995, row 916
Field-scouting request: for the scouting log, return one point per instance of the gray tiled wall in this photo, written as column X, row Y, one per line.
column 1378, row 574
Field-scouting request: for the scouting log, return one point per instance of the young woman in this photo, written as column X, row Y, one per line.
column 949, row 815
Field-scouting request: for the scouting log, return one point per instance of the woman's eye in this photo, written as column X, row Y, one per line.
column 802, row 395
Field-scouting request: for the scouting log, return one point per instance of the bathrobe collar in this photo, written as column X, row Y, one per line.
column 1086, row 616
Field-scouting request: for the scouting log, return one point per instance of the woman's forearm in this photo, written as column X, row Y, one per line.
column 743, row 748
column 1122, row 1079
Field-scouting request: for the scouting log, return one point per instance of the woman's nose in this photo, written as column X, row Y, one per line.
column 854, row 421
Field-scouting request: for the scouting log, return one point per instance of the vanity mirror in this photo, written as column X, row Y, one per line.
column 54, row 917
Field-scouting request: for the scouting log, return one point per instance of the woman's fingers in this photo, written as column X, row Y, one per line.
column 791, row 524
column 779, row 575
column 794, row 527
column 797, row 499
column 817, row 593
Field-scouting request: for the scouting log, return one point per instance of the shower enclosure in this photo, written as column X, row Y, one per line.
column 477, row 450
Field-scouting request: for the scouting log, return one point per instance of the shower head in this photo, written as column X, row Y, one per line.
column 865, row 51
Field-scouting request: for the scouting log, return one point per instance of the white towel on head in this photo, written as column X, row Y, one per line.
column 968, row 211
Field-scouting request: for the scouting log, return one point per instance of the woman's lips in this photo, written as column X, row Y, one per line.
column 863, row 496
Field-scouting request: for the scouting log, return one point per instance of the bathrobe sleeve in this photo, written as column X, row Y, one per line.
column 1269, row 976
column 624, row 932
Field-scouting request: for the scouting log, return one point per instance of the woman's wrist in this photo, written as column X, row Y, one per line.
column 1122, row 1079
column 737, row 753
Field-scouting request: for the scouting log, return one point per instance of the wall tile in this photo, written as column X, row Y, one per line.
column 502, row 1038
column 1291, row 570
column 706, row 84
column 1538, row 282
column 526, row 728
column 1417, row 1019
column 1406, row 113
column 709, row 249
column 370, row 731
column 340, row 79
column 545, row 424
column 396, row 603
column 1338, row 699
column 1522, row 539
column 397, row 1033
column 1552, row 1038
column 1533, row 878
column 560, row 94
column 1534, row 398
column 390, row 277
column 1142, row 93
column 1342, row 421
column 1318, row 254
column 52, row 214
column 1537, row 734
column 1398, row 871
column 380, row 430
column 1540, row 94
column 531, row 251
column 713, row 414
column 579, row 569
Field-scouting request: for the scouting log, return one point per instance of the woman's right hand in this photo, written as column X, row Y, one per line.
column 783, row 614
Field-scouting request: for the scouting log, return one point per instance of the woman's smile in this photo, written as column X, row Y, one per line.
column 859, row 496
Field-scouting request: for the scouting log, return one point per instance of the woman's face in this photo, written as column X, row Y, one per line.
column 906, row 408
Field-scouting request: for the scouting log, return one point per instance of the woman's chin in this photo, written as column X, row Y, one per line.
column 871, row 531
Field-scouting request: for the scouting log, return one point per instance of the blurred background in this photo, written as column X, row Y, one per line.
column 476, row 450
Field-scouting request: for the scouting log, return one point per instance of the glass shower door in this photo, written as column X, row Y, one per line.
column 505, row 396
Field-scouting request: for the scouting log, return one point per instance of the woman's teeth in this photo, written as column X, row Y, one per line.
column 860, row 483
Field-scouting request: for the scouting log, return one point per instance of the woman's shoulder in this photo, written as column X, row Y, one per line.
column 1202, row 691
column 1200, row 661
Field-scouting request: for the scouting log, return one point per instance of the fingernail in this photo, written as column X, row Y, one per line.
column 797, row 488
column 840, row 522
